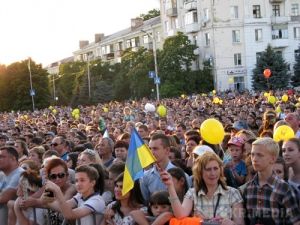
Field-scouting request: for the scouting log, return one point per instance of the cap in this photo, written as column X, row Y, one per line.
column 237, row 141
column 240, row 125
column 201, row 149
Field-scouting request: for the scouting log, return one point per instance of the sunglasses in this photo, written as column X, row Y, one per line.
column 55, row 176
column 54, row 144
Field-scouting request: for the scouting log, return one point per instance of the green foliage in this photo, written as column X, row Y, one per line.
column 151, row 14
column 296, row 78
column 15, row 84
column 280, row 75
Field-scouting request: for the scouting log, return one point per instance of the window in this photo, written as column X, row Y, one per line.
column 237, row 59
column 119, row 46
column 207, row 39
column 103, row 50
column 236, row 36
column 297, row 53
column 276, row 10
column 258, row 34
column 239, row 83
column 146, row 39
column 234, row 12
column 295, row 9
column 280, row 31
column 297, row 32
column 191, row 17
column 128, row 44
column 256, row 11
column 206, row 14
column 258, row 55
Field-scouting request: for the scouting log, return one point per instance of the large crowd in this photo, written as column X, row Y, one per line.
column 62, row 165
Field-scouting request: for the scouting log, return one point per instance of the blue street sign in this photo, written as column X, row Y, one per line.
column 151, row 74
column 32, row 92
column 157, row 80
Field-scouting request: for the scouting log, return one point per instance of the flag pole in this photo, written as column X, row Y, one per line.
column 31, row 90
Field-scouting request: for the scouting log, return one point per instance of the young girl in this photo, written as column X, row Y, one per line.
column 87, row 205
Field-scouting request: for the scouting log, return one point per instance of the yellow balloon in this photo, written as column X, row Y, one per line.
column 278, row 109
column 285, row 98
column 271, row 99
column 221, row 102
column 77, row 116
column 212, row 131
column 216, row 100
column 266, row 94
column 50, row 107
column 283, row 133
column 214, row 92
column 54, row 111
column 105, row 109
column 76, row 111
column 161, row 111
column 182, row 96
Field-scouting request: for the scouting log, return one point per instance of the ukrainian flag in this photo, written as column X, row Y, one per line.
column 139, row 156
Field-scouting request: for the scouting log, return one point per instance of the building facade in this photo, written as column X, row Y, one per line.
column 231, row 34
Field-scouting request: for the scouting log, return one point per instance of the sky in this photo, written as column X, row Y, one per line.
column 50, row 30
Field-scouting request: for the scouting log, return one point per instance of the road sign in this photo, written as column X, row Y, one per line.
column 151, row 74
column 157, row 80
column 32, row 92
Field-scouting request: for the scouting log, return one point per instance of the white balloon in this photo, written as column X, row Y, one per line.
column 149, row 107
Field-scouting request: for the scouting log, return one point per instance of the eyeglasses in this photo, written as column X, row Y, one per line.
column 54, row 144
column 54, row 176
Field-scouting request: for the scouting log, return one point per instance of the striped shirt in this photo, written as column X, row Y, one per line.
column 271, row 203
column 204, row 206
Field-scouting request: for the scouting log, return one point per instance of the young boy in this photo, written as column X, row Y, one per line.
column 267, row 198
column 235, row 170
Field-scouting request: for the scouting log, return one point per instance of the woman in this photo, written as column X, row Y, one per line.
column 87, row 206
column 180, row 183
column 118, row 212
column 36, row 154
column 88, row 156
column 191, row 143
column 22, row 150
column 210, row 198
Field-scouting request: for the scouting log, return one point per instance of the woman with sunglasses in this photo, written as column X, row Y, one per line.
column 87, row 206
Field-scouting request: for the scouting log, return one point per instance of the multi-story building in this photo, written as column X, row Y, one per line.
column 231, row 34
column 110, row 48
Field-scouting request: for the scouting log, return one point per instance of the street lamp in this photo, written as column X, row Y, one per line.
column 155, row 62
column 89, row 78
column 54, row 97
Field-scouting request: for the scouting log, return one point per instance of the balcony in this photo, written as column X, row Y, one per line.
column 295, row 18
column 109, row 56
column 171, row 12
column 280, row 43
column 280, row 19
column 276, row 1
column 190, row 5
column 193, row 27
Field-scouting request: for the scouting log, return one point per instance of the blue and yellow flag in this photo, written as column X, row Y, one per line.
column 139, row 156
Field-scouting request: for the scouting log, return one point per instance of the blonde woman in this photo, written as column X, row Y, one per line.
column 210, row 199
column 88, row 156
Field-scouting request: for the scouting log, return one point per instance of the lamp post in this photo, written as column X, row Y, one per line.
column 53, row 80
column 32, row 92
column 89, row 78
column 155, row 62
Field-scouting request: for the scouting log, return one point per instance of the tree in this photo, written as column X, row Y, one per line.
column 151, row 14
column 280, row 75
column 296, row 78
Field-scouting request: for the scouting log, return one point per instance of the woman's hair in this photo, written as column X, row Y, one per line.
column 24, row 146
column 195, row 138
column 178, row 173
column 198, row 168
column 73, row 156
column 54, row 162
column 29, row 164
column 100, row 183
column 296, row 141
column 248, row 133
column 158, row 198
column 39, row 151
column 280, row 160
column 135, row 198
column 92, row 155
column 90, row 171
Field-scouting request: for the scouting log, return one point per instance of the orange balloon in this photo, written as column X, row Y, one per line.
column 267, row 73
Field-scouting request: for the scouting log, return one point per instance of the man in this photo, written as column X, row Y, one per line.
column 59, row 144
column 3, row 140
column 267, row 198
column 105, row 150
column 143, row 131
column 180, row 131
column 8, row 186
column 293, row 120
column 151, row 182
column 121, row 149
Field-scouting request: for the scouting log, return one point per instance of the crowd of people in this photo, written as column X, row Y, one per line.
column 58, row 166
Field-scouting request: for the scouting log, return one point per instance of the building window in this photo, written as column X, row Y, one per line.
column 258, row 34
column 239, row 83
column 276, row 10
column 297, row 53
column 256, row 11
column 295, row 9
column 297, row 32
column 207, row 39
column 236, row 36
column 128, row 44
column 234, row 12
column 206, row 14
column 145, row 39
column 191, row 17
column 237, row 59
column 103, row 50
column 258, row 55
column 280, row 31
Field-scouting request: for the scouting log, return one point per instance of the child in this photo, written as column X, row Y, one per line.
column 279, row 169
column 158, row 212
column 267, row 198
column 235, row 170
